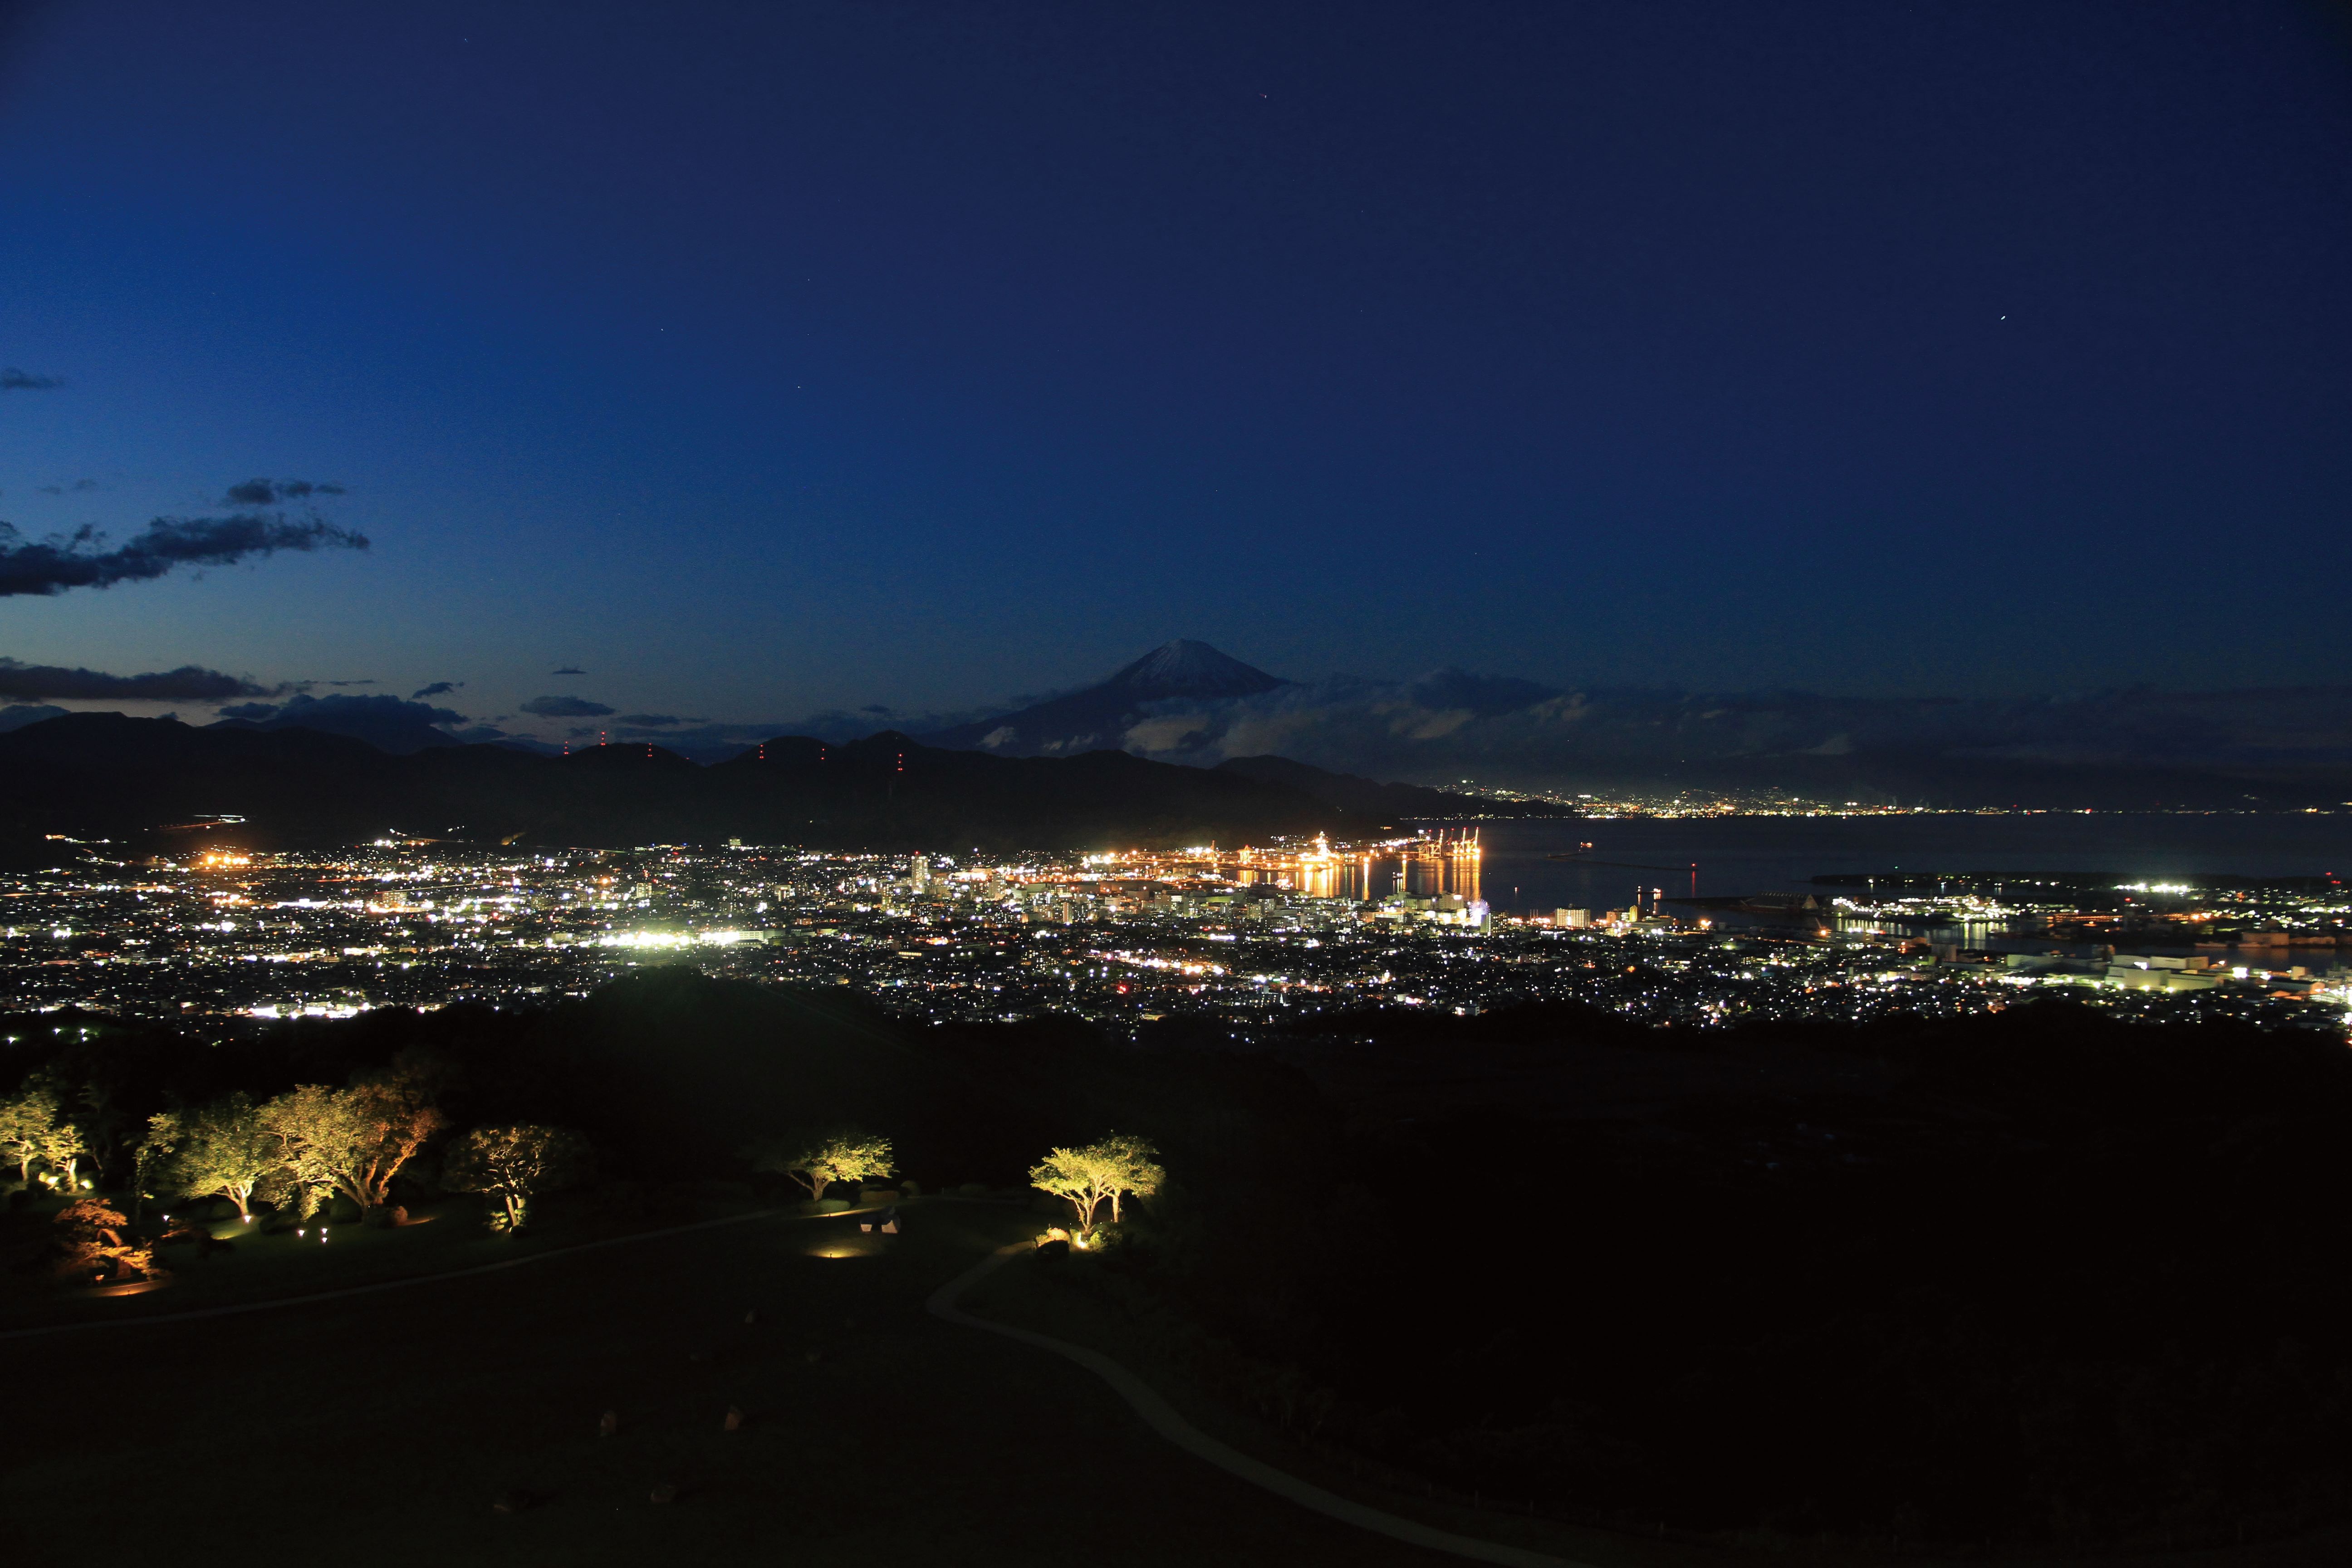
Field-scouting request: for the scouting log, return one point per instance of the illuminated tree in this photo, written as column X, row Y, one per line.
column 818, row 1161
column 1135, row 1170
column 62, row 1148
column 221, row 1150
column 1088, row 1177
column 93, row 1241
column 348, row 1141
column 149, row 1157
column 513, row 1164
column 25, row 1119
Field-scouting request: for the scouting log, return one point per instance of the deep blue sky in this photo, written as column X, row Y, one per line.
column 759, row 358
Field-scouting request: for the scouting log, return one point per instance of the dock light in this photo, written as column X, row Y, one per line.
column 303, row 1230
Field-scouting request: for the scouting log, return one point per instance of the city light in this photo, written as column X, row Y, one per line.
column 1255, row 934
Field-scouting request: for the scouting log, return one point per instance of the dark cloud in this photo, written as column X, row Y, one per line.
column 1450, row 723
column 189, row 683
column 648, row 721
column 565, row 708
column 476, row 735
column 276, row 493
column 367, row 680
column 79, row 487
column 14, row 380
column 304, row 709
column 80, row 560
column 16, row 715
column 437, row 689
column 381, row 720
column 568, row 669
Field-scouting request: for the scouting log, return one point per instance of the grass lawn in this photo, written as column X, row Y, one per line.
column 1055, row 1301
column 379, row 1428
column 443, row 1237
column 1052, row 1299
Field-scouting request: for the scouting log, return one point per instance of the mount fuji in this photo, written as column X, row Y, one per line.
column 1097, row 718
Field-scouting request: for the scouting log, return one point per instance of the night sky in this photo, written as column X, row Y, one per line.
column 757, row 359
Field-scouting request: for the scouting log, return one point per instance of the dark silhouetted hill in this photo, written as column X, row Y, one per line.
column 1388, row 803
column 155, row 782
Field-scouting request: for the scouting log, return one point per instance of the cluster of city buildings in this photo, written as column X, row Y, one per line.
column 1605, row 805
column 1259, row 937
column 1632, row 801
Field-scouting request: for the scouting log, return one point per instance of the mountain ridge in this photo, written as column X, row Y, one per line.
column 1102, row 716
column 156, row 782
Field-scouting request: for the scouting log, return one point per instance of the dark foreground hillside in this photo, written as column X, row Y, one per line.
column 2035, row 1277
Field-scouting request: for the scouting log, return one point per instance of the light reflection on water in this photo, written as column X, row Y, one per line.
column 1423, row 871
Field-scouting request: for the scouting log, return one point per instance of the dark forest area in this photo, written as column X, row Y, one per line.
column 2035, row 1275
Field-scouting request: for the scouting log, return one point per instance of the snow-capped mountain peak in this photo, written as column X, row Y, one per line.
column 1184, row 667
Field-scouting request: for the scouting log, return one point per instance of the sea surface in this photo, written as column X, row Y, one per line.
column 1742, row 855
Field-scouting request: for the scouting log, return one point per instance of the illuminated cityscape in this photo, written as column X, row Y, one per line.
column 1065, row 786
column 1258, row 935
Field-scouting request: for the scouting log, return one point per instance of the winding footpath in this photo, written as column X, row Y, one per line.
column 1162, row 1418
column 1157, row 1413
